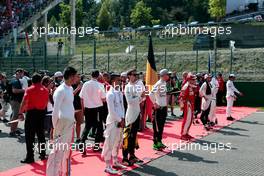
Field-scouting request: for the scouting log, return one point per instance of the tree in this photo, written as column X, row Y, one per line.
column 104, row 19
column 217, row 8
column 141, row 14
column 90, row 13
column 166, row 9
column 155, row 22
column 197, row 10
column 126, row 7
column 177, row 14
column 79, row 13
column 114, row 9
column 65, row 15
column 53, row 21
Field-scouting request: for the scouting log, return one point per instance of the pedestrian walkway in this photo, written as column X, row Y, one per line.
column 92, row 164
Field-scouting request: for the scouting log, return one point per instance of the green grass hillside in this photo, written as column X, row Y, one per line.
column 248, row 64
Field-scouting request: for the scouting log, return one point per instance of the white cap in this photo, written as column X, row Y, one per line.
column 232, row 75
column 58, row 74
column 124, row 74
column 207, row 76
column 163, row 72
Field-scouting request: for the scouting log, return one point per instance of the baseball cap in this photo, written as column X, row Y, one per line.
column 58, row 74
column 163, row 72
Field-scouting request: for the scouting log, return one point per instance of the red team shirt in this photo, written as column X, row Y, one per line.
column 188, row 94
column 37, row 97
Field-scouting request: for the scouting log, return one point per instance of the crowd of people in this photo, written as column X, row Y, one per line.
column 113, row 107
column 15, row 12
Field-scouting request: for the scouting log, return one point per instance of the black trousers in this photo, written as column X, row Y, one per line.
column 34, row 124
column 220, row 95
column 125, row 103
column 204, row 115
column 104, row 112
column 158, row 123
column 132, row 140
column 197, row 106
column 93, row 118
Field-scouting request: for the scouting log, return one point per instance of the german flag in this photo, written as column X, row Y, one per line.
column 151, row 71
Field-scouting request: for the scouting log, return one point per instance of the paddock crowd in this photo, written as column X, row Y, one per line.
column 114, row 107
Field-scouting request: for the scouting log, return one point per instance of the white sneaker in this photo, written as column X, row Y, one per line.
column 110, row 170
column 119, row 166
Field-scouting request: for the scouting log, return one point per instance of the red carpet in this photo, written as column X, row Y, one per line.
column 93, row 165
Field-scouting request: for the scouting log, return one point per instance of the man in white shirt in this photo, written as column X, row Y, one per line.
column 132, row 119
column 158, row 96
column 141, row 88
column 92, row 97
column 212, row 115
column 230, row 96
column 123, row 84
column 24, row 80
column 206, row 94
column 115, row 122
column 63, row 122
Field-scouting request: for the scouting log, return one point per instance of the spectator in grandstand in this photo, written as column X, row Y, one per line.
column 13, row 13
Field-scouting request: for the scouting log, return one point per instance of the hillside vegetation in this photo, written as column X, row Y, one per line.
column 248, row 64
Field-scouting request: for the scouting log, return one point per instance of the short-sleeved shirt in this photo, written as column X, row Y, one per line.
column 37, row 97
column 16, row 84
column 92, row 94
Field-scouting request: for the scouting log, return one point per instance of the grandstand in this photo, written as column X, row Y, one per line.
column 16, row 16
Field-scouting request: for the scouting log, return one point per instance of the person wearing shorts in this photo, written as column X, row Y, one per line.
column 78, row 107
column 16, row 99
